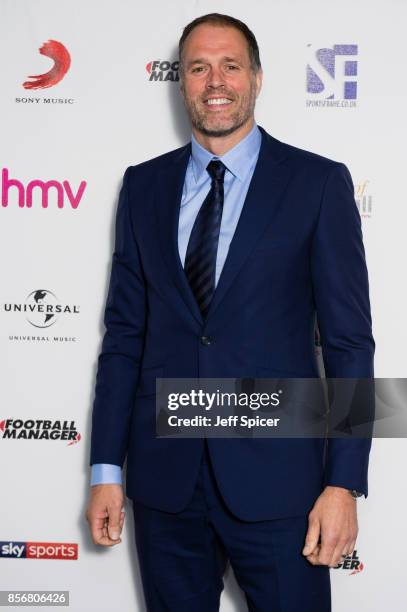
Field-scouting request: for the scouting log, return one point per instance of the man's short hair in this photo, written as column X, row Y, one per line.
column 225, row 21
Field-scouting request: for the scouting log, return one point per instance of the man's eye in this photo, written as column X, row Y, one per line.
column 232, row 66
column 196, row 69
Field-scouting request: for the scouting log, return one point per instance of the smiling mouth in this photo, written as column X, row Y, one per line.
column 216, row 102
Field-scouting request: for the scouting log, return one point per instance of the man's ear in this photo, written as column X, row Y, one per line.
column 259, row 81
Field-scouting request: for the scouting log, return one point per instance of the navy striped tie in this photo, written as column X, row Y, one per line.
column 200, row 259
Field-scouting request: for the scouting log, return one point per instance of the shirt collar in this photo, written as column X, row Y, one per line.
column 237, row 160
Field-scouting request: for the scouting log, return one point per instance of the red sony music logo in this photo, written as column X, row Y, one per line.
column 59, row 54
column 51, row 550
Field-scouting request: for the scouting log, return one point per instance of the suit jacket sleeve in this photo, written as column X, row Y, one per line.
column 341, row 294
column 122, row 346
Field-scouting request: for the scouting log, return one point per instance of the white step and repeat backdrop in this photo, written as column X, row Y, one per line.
column 334, row 83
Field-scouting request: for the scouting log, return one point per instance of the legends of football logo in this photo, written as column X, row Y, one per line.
column 332, row 76
column 364, row 199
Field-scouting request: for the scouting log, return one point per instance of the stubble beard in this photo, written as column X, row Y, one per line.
column 217, row 127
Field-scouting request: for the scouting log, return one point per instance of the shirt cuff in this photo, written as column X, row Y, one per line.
column 105, row 473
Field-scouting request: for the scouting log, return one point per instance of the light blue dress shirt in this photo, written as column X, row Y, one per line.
column 240, row 162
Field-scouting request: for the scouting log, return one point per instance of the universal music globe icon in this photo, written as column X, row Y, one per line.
column 41, row 308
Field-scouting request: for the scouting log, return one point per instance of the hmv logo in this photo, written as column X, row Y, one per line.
column 54, row 191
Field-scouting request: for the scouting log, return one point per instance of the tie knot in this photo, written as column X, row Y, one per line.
column 216, row 169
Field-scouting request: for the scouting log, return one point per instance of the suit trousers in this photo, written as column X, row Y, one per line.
column 183, row 556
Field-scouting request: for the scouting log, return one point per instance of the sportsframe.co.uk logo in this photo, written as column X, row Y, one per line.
column 332, row 76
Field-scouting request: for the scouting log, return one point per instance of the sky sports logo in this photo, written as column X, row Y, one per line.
column 39, row 550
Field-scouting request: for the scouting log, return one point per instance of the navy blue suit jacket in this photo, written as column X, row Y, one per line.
column 297, row 252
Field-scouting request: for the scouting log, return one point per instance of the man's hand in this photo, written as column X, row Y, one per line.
column 105, row 513
column 333, row 521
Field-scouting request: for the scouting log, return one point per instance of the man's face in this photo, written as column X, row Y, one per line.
column 218, row 85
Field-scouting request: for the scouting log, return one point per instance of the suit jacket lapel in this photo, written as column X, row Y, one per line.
column 269, row 180
column 270, row 177
column 167, row 200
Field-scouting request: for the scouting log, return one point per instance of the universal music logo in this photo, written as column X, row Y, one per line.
column 42, row 309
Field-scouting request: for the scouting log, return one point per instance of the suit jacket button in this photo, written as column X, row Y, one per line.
column 206, row 340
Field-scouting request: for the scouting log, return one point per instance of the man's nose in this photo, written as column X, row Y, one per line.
column 215, row 78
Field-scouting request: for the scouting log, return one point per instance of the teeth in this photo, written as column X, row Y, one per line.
column 218, row 101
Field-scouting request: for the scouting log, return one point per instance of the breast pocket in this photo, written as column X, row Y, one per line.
column 147, row 381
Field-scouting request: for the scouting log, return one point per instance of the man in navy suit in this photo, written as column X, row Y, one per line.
column 226, row 251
